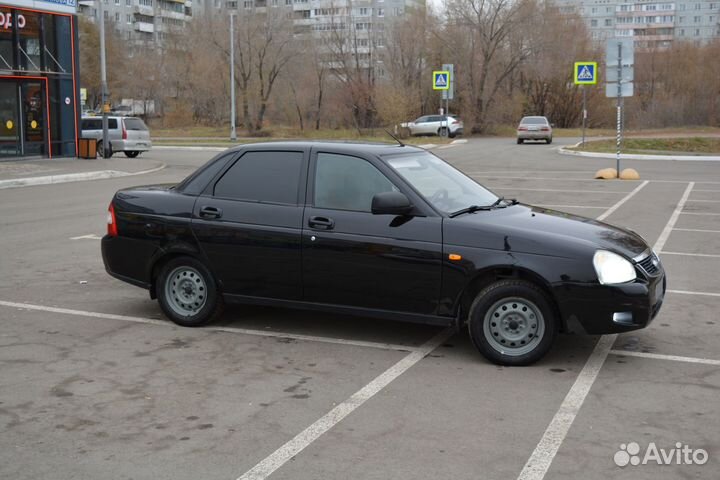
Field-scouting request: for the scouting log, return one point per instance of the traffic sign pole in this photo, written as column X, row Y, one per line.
column 619, row 110
column 584, row 113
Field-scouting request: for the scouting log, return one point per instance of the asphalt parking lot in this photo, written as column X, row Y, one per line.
column 95, row 383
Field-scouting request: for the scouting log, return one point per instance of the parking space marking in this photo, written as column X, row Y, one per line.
column 703, row 201
column 622, row 201
column 692, row 254
column 282, row 455
column 674, row 358
column 707, row 191
column 242, row 331
column 92, row 236
column 688, row 292
column 662, row 239
column 700, row 213
column 542, row 457
column 695, row 230
column 545, row 451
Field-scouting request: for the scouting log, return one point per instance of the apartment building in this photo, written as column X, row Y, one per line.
column 650, row 23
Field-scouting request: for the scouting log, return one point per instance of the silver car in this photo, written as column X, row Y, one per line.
column 435, row 125
column 534, row 128
column 129, row 135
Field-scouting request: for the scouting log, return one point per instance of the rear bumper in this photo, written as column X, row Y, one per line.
column 117, row 253
column 604, row 309
column 131, row 145
column 539, row 135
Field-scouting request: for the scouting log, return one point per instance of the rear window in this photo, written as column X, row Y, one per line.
column 534, row 121
column 135, row 124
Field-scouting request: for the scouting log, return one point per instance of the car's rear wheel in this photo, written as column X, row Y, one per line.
column 132, row 154
column 520, row 141
column 512, row 322
column 100, row 149
column 442, row 131
column 187, row 292
column 549, row 140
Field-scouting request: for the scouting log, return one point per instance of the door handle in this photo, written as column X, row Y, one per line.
column 321, row 223
column 210, row 212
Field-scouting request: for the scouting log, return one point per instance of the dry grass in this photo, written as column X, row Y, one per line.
column 658, row 146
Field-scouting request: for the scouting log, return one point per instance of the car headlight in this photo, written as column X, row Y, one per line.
column 611, row 268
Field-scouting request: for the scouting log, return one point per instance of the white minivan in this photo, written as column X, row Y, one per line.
column 129, row 135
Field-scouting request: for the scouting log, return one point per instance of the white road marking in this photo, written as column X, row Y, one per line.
column 282, row 455
column 556, row 179
column 707, row 191
column 545, row 205
column 545, row 451
column 673, row 219
column 92, row 236
column 688, row 292
column 691, row 254
column 700, row 213
column 542, row 457
column 622, row 201
column 674, row 358
column 242, row 331
column 703, row 201
column 695, row 230
column 616, row 192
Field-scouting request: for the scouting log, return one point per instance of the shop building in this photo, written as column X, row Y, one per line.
column 39, row 95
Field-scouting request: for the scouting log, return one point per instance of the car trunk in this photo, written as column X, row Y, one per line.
column 136, row 130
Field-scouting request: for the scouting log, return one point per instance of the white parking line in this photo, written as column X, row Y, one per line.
column 242, row 331
column 662, row 239
column 700, row 213
column 92, row 236
column 688, row 292
column 695, row 230
column 674, row 358
column 283, row 454
column 707, row 191
column 542, row 457
column 703, row 201
column 692, row 254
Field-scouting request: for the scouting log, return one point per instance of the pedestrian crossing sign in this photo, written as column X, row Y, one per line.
column 441, row 80
column 585, row 73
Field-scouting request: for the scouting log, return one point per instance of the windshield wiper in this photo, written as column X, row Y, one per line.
column 476, row 208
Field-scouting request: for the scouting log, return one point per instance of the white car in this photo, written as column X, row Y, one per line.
column 435, row 125
column 534, row 128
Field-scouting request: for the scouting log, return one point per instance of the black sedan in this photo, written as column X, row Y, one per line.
column 388, row 231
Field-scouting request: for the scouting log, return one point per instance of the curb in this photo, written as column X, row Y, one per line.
column 635, row 156
column 72, row 177
column 191, row 148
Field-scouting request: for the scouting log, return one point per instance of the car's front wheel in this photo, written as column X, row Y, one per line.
column 101, row 152
column 512, row 322
column 187, row 292
column 132, row 154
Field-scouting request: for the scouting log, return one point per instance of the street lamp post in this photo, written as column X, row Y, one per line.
column 103, row 83
column 233, row 132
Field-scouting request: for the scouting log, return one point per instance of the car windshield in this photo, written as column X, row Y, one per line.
column 534, row 121
column 445, row 187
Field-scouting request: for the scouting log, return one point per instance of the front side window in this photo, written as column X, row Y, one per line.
column 343, row 182
column 446, row 188
column 264, row 177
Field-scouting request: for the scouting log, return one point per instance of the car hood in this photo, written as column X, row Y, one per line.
column 527, row 229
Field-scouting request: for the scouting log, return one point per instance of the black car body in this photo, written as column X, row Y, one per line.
column 287, row 224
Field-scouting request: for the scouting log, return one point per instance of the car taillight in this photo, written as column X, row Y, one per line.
column 112, row 229
column 522, row 129
column 124, row 132
column 454, row 122
column 545, row 129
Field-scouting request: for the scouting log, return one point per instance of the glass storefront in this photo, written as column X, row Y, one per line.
column 38, row 94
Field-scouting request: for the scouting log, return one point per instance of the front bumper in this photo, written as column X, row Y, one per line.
column 602, row 309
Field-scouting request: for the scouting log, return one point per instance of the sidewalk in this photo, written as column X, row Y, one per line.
column 47, row 171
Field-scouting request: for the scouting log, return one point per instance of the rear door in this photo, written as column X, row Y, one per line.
column 248, row 223
column 354, row 258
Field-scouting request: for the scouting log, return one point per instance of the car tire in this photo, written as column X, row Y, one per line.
column 549, row 140
column 512, row 322
column 187, row 292
column 100, row 149
column 442, row 132
column 132, row 154
column 520, row 141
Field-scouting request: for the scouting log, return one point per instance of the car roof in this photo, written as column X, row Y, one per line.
column 534, row 116
column 349, row 147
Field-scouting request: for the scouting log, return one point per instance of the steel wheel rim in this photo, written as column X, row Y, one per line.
column 186, row 291
column 514, row 326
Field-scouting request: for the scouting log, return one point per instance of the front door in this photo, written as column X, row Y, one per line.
column 354, row 258
column 23, row 118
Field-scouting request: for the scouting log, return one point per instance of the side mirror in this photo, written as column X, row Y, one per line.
column 391, row 203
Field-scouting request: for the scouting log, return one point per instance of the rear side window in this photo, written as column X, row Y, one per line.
column 135, row 124
column 91, row 124
column 112, row 123
column 197, row 183
column 343, row 182
column 269, row 177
